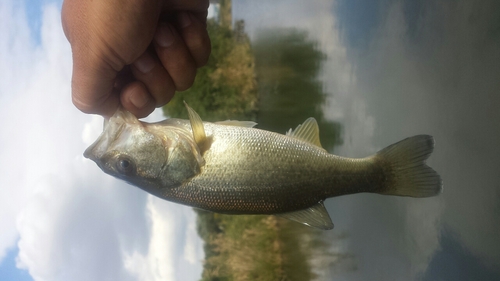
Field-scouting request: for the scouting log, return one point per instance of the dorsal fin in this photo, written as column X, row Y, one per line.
column 307, row 131
column 197, row 126
column 247, row 124
column 315, row 216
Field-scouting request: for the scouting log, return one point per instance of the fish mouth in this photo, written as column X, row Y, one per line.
column 111, row 130
column 89, row 152
column 96, row 150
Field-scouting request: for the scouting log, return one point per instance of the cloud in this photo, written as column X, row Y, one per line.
column 69, row 234
column 165, row 258
column 400, row 232
column 71, row 221
column 440, row 79
column 75, row 223
column 15, row 60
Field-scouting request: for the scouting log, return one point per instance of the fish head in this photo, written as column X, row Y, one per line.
column 144, row 156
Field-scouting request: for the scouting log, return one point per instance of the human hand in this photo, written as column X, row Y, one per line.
column 135, row 53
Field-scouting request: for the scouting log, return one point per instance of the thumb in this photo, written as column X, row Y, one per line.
column 92, row 85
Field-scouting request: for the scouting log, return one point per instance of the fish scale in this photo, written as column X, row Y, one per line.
column 280, row 175
column 230, row 167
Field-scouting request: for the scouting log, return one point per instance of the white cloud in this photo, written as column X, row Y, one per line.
column 76, row 223
column 407, row 231
column 171, row 234
column 72, row 221
column 192, row 248
column 441, row 80
column 156, row 263
column 92, row 129
column 15, row 58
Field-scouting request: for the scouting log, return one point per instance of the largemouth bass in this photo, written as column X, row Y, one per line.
column 230, row 167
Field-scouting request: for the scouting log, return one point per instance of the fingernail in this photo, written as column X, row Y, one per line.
column 139, row 100
column 144, row 63
column 184, row 20
column 164, row 36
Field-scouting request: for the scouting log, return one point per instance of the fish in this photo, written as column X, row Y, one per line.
column 230, row 167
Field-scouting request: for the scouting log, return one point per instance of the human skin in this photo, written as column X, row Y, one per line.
column 134, row 53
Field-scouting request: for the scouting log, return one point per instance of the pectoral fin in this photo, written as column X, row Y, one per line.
column 307, row 131
column 315, row 216
column 198, row 130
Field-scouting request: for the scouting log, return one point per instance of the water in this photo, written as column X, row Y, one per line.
column 374, row 73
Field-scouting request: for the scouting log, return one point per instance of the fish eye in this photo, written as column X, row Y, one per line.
column 125, row 165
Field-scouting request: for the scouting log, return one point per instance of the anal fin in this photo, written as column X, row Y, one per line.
column 315, row 216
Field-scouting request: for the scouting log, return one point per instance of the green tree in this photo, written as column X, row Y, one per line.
column 287, row 65
column 225, row 88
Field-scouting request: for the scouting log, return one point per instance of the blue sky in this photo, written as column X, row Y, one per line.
column 8, row 269
column 358, row 20
column 453, row 261
column 34, row 15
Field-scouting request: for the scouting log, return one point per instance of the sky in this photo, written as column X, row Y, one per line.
column 393, row 69
column 396, row 69
column 61, row 217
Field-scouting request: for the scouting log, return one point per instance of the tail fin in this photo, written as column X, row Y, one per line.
column 409, row 175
